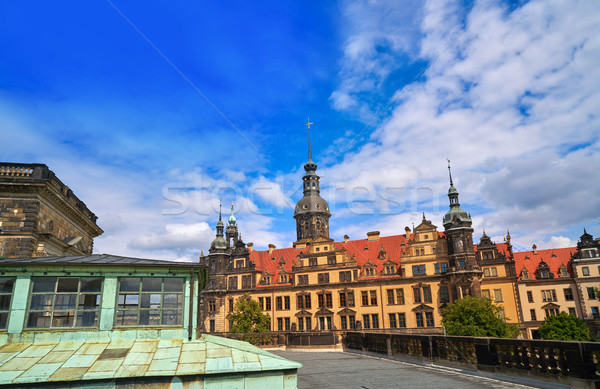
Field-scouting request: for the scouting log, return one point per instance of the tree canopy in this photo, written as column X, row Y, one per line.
column 247, row 316
column 472, row 316
column 564, row 327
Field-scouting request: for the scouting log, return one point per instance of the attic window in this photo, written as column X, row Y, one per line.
column 317, row 249
column 325, row 248
column 426, row 236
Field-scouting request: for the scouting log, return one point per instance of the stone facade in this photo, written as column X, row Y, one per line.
column 40, row 216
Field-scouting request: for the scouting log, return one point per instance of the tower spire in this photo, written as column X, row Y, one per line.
column 449, row 172
column 308, row 123
column 220, row 206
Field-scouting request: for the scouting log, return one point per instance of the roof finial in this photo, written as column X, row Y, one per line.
column 220, row 206
column 449, row 172
column 308, row 123
column 423, row 216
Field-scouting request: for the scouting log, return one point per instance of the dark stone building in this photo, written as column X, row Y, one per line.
column 40, row 216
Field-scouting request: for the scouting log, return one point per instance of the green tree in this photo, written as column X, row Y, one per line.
column 247, row 316
column 471, row 316
column 564, row 327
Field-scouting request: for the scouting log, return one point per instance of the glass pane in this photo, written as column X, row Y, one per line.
column 132, row 300
column 173, row 284
column 131, row 284
column 6, row 284
column 87, row 319
column 65, row 302
column 91, row 284
column 4, row 302
column 150, row 300
column 172, row 300
column 63, row 319
column 89, row 301
column 3, row 320
column 67, row 284
column 127, row 318
column 151, row 284
column 43, row 284
column 41, row 302
column 149, row 318
column 171, row 318
column 38, row 320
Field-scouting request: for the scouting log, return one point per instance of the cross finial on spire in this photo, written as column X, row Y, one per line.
column 308, row 123
column 449, row 172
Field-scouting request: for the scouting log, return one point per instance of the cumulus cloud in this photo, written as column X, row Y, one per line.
column 510, row 96
column 176, row 237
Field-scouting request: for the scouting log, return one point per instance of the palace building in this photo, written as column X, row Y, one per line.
column 400, row 282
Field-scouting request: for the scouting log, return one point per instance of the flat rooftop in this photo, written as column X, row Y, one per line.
column 348, row 370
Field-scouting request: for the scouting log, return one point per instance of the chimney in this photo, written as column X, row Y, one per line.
column 534, row 247
column 271, row 248
column 373, row 235
column 346, row 237
column 407, row 233
column 250, row 246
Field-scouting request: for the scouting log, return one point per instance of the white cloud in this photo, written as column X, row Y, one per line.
column 177, row 238
column 511, row 97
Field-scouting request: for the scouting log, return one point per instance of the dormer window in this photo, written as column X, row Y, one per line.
column 525, row 274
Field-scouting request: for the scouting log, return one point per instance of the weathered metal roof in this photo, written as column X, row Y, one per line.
column 95, row 259
column 73, row 362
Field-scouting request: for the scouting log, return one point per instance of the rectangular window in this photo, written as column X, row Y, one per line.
column 551, row 312
column 400, row 296
column 308, row 323
column 233, row 283
column 401, row 320
column 212, row 306
column 375, row 320
column 267, row 303
column 279, row 303
column 261, row 302
column 427, row 294
column 585, row 270
column 303, row 279
column 331, row 260
column 343, row 301
column 212, row 326
column 392, row 320
column 498, row 295
column 230, row 305
column 328, row 300
column 239, row 263
column 417, row 295
column 486, row 272
column 346, row 276
column 299, row 302
column 150, row 301
column 373, row 297
column 429, row 319
column 486, row 293
column 444, row 295
column 591, row 293
column 568, row 294
column 312, row 261
column 307, row 302
column 549, row 295
column 415, row 270
column 365, row 298
column 572, row 312
column 300, row 324
column 422, row 270
column 57, row 302
column 321, row 300
column 533, row 315
column 279, row 324
column 344, row 323
column 419, row 317
column 441, row 268
column 323, row 278
column 287, row 323
column 529, row 296
column 595, row 313
column 366, row 322
column 286, row 303
column 6, row 290
column 352, row 322
column 390, row 297
column 247, row 281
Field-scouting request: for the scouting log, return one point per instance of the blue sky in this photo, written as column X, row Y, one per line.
column 153, row 113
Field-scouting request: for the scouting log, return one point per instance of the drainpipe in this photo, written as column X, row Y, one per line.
column 191, row 313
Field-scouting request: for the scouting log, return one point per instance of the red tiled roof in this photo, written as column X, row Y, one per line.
column 553, row 257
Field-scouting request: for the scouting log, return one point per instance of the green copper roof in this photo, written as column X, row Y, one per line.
column 231, row 219
column 23, row 363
